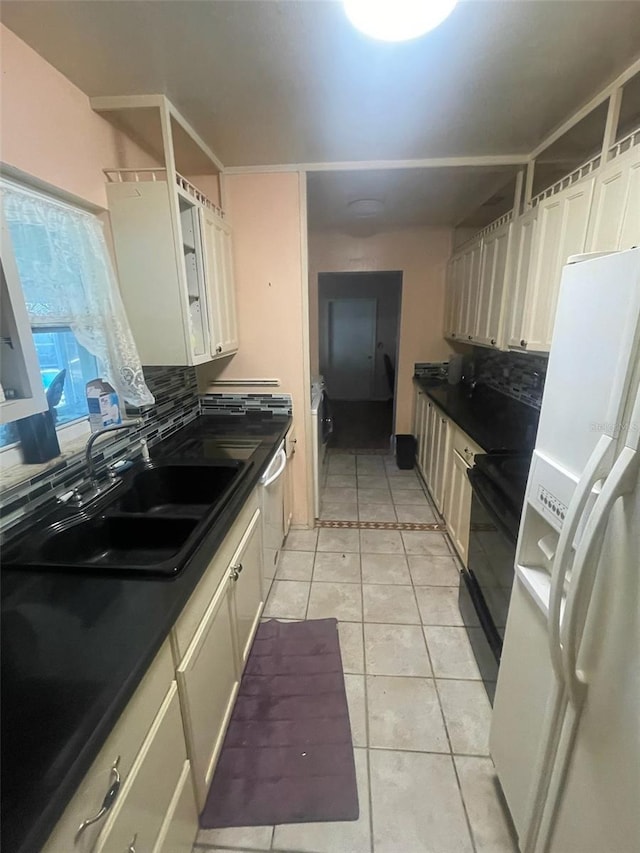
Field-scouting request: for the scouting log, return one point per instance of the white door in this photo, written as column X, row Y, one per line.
column 351, row 331
column 615, row 213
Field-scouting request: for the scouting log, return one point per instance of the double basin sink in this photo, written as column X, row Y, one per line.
column 152, row 523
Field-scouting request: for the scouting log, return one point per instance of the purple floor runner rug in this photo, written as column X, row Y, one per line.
column 288, row 755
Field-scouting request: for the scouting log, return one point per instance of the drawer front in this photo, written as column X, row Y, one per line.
column 139, row 814
column 191, row 617
column 208, row 681
column 123, row 743
column 466, row 447
column 180, row 827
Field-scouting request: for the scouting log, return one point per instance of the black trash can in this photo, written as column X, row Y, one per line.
column 405, row 451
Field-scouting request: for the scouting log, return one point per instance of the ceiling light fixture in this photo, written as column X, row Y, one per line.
column 366, row 208
column 397, row 20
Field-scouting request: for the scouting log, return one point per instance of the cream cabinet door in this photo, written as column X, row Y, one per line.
column 615, row 214
column 458, row 505
column 180, row 826
column 452, row 297
column 523, row 241
column 429, row 442
column 208, row 682
column 561, row 232
column 469, row 291
column 147, row 795
column 491, row 306
column 220, row 283
column 441, row 454
column 246, row 574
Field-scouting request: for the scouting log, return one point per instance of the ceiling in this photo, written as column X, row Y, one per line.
column 291, row 82
column 411, row 197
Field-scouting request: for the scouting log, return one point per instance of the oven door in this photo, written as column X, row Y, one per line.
column 486, row 584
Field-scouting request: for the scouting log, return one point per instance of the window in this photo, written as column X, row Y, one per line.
column 65, row 368
column 73, row 303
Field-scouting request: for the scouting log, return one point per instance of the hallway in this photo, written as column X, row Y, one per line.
column 384, row 568
column 361, row 424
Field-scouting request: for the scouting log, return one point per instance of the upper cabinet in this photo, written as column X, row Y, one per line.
column 172, row 240
column 503, row 283
column 615, row 213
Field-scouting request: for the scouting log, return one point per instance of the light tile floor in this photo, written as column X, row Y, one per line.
column 419, row 712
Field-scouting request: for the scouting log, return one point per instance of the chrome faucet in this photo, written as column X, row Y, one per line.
column 125, row 425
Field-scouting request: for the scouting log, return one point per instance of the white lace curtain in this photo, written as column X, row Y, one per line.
column 68, row 280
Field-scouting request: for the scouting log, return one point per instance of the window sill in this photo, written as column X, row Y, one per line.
column 72, row 438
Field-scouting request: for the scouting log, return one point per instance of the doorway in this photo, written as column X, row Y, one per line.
column 359, row 319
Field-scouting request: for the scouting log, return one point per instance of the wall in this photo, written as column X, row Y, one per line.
column 268, row 223
column 49, row 129
column 386, row 289
column 421, row 254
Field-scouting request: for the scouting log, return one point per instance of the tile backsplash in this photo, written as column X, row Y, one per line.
column 431, row 369
column 176, row 404
column 240, row 404
column 518, row 375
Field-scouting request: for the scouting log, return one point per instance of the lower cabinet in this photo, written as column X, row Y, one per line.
column 139, row 813
column 457, row 510
column 431, row 428
column 208, row 681
column 441, row 460
column 246, row 576
column 154, row 771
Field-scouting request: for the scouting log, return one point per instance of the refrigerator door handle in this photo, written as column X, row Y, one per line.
column 621, row 481
column 596, row 468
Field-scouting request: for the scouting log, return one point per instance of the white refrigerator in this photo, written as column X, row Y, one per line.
column 565, row 733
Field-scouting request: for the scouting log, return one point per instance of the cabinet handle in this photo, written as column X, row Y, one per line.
column 523, row 343
column 218, row 349
column 470, row 337
column 236, row 571
column 109, row 800
column 493, row 342
column 132, row 846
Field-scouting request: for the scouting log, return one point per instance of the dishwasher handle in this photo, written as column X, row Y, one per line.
column 267, row 478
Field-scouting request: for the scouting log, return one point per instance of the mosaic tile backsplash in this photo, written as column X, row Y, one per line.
column 517, row 375
column 239, row 404
column 176, row 393
column 431, row 369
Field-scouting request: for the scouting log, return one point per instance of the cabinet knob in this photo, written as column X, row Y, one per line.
column 236, row 571
column 453, row 334
column 218, row 349
column 493, row 342
column 109, row 800
column 523, row 343
column 444, row 420
column 470, row 337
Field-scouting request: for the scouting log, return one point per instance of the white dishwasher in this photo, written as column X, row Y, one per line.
column 272, row 485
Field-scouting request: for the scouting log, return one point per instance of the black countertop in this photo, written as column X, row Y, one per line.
column 76, row 646
column 493, row 420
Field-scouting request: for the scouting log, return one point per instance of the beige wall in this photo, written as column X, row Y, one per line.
column 49, row 130
column 267, row 220
column 421, row 254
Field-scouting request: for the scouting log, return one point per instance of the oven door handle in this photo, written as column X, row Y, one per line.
column 490, row 500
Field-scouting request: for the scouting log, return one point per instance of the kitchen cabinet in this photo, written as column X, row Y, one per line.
column 486, row 326
column 223, row 326
column 431, row 428
column 119, row 761
column 614, row 223
column 458, row 490
column 208, row 681
column 174, row 260
column 137, row 817
column 561, row 231
column 177, row 831
column 462, row 291
column 19, row 367
column 246, row 573
column 522, row 247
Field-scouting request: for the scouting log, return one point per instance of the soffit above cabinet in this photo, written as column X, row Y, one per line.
column 267, row 83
